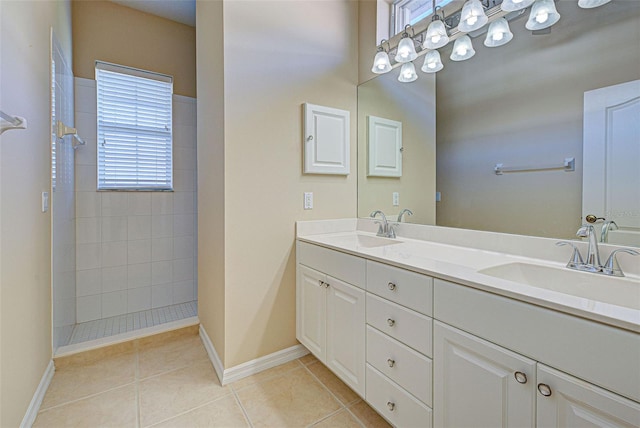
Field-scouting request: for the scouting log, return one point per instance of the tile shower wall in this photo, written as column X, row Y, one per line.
column 63, row 237
column 134, row 250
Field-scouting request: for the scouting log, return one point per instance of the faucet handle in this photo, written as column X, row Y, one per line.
column 611, row 267
column 381, row 231
column 576, row 258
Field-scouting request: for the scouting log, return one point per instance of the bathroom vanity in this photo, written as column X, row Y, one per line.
column 433, row 334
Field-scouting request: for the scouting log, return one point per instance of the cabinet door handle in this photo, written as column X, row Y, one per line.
column 391, row 362
column 544, row 389
column 326, row 285
column 391, row 405
column 520, row 377
column 320, row 283
column 391, row 322
column 391, row 286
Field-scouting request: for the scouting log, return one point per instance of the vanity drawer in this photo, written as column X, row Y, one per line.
column 394, row 403
column 407, row 326
column 339, row 265
column 403, row 365
column 407, row 288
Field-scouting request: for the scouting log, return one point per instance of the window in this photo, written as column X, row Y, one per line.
column 134, row 129
column 411, row 11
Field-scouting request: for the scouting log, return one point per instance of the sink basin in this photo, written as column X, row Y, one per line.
column 616, row 291
column 363, row 241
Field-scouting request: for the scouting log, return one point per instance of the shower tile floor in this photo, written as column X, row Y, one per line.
column 167, row 380
column 106, row 327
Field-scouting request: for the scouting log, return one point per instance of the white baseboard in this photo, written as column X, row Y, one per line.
column 38, row 396
column 213, row 354
column 252, row 367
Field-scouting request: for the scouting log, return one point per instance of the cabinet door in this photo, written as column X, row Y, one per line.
column 574, row 403
column 475, row 382
column 311, row 310
column 346, row 333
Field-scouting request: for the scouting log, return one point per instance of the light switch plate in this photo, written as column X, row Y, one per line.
column 45, row 202
column 396, row 199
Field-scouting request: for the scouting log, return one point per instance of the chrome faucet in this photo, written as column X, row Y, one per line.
column 402, row 213
column 592, row 263
column 606, row 227
column 384, row 228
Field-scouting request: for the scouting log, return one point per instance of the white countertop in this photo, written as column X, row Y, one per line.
column 461, row 265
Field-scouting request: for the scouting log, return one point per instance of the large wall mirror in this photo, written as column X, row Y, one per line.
column 519, row 105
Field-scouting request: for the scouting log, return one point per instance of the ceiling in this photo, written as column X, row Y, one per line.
column 183, row 11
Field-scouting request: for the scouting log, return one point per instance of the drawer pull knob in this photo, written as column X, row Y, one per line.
column 326, row 285
column 544, row 389
column 391, row 362
column 391, row 322
column 391, row 405
column 391, row 286
column 320, row 283
column 520, row 377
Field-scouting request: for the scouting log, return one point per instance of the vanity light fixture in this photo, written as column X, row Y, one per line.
column 513, row 5
column 462, row 49
column 407, row 73
column 406, row 48
column 472, row 16
column 436, row 36
column 432, row 62
column 589, row 4
column 499, row 34
column 381, row 63
column 543, row 15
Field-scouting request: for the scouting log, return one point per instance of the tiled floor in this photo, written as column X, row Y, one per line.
column 167, row 380
column 111, row 326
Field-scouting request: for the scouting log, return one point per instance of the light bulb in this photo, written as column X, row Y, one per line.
column 472, row 16
column 381, row 63
column 406, row 50
column 432, row 62
column 435, row 39
column 462, row 49
column 497, row 36
column 472, row 20
column 517, row 1
column 513, row 5
column 407, row 73
column 542, row 17
column 436, row 36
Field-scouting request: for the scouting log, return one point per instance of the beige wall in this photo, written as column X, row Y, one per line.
column 277, row 56
column 211, row 169
column 413, row 104
column 521, row 104
column 110, row 32
column 367, row 37
column 25, row 249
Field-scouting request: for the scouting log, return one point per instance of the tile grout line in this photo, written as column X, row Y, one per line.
column 87, row 396
column 348, row 409
column 244, row 411
column 324, row 418
column 187, row 411
column 335, row 397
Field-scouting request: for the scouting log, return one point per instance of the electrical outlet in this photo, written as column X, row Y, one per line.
column 308, row 200
column 396, row 199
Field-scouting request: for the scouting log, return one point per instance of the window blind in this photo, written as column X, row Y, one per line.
column 134, row 129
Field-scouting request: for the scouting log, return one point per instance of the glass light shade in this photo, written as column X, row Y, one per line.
column 499, row 34
column 513, row 5
column 406, row 50
column 462, row 49
column 407, row 73
column 432, row 62
column 436, row 36
column 588, row 4
column 381, row 63
column 472, row 16
column 543, row 15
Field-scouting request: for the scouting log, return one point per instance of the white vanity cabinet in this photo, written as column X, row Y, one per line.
column 479, row 384
column 330, row 315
